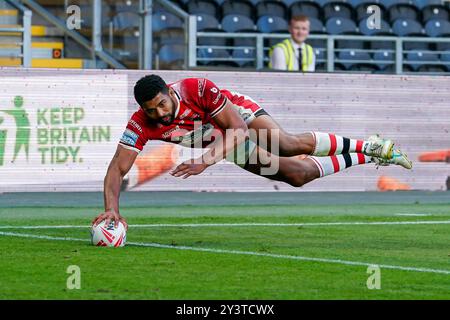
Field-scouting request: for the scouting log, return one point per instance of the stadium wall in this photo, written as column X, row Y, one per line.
column 59, row 128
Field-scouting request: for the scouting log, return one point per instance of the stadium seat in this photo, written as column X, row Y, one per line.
column 432, row 68
column 406, row 27
column 237, row 23
column 387, row 4
column 445, row 57
column 340, row 26
column 337, row 10
column 384, row 58
column 206, row 22
column 443, row 46
column 385, row 28
column 244, row 42
column 403, row 11
column 382, row 45
column 125, row 20
column 203, row 7
column 215, row 57
column 213, row 41
column 272, row 24
column 316, row 26
column 435, row 12
column 437, row 28
column 241, row 7
column 364, row 67
column 171, row 56
column 271, row 8
column 242, row 56
column 165, row 20
column 421, row 4
column 418, row 58
column 307, row 8
column 170, row 37
column 349, row 55
column 320, row 54
column 317, row 43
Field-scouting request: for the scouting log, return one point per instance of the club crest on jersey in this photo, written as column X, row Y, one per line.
column 129, row 138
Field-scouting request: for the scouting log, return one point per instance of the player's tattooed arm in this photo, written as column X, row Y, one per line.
column 120, row 165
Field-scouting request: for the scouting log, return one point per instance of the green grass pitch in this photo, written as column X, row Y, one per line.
column 224, row 261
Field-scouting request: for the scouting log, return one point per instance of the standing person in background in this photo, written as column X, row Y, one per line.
column 294, row 52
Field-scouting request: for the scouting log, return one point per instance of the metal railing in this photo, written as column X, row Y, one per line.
column 261, row 52
column 25, row 31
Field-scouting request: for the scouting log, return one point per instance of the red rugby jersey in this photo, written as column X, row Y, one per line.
column 199, row 100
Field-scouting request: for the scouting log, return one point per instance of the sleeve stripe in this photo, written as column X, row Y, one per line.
column 129, row 147
column 219, row 109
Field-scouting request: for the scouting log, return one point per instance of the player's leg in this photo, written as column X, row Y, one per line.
column 315, row 143
column 296, row 171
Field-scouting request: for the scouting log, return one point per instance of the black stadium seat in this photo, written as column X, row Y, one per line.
column 316, row 26
column 171, row 56
column 241, row 7
column 367, row 29
column 437, row 28
column 203, row 7
column 165, row 20
column 205, row 22
column 271, row 8
column 340, row 26
column 418, row 58
column 435, row 12
column 338, row 10
column 353, row 55
column 272, row 24
column 244, row 57
column 403, row 11
column 307, row 8
column 237, row 23
column 407, row 27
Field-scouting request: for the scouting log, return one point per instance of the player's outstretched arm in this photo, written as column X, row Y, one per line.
column 118, row 168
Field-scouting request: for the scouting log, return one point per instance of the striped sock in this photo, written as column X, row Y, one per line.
column 334, row 164
column 328, row 144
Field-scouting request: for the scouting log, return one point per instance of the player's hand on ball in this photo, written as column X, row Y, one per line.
column 189, row 168
column 109, row 216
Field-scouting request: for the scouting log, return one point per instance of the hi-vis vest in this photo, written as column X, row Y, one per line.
column 289, row 53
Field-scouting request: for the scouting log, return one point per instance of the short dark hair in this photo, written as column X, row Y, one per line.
column 148, row 87
column 300, row 17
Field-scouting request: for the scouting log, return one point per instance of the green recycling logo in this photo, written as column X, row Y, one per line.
column 22, row 126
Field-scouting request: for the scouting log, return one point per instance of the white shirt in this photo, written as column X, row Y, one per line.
column 278, row 59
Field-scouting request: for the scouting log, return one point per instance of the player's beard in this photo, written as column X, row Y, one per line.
column 167, row 120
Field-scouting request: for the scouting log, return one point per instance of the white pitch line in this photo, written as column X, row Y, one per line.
column 247, row 253
column 196, row 225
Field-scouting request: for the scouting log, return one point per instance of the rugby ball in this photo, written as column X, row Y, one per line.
column 108, row 236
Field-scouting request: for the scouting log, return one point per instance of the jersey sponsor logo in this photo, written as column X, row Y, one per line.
column 218, row 97
column 201, row 87
column 129, row 137
column 185, row 113
column 136, row 125
column 167, row 134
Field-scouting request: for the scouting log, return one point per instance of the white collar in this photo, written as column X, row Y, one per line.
column 295, row 45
